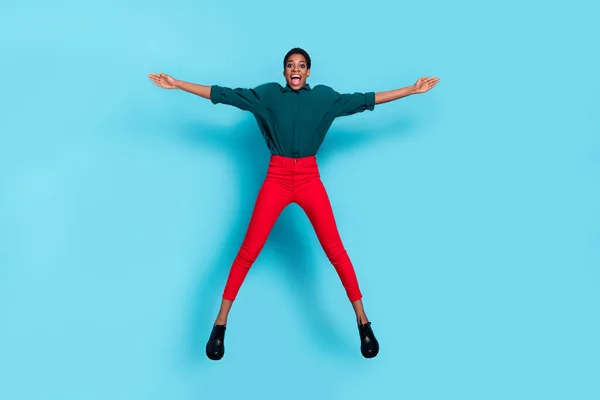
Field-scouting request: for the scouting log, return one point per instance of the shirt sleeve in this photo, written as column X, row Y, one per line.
column 244, row 99
column 352, row 103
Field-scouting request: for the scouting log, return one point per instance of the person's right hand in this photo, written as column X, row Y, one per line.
column 163, row 80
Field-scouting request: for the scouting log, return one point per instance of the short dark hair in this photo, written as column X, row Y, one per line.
column 297, row 50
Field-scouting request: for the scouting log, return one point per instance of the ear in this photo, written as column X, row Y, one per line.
column 307, row 73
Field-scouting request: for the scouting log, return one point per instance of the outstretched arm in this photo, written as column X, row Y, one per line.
column 421, row 86
column 167, row 82
column 242, row 98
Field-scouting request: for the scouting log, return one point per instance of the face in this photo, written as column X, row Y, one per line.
column 296, row 71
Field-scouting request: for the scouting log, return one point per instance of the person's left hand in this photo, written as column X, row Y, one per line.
column 424, row 84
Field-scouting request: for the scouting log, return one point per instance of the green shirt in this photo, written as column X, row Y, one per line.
column 293, row 123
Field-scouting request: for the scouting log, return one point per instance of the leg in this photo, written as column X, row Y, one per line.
column 359, row 310
column 315, row 202
column 223, row 312
column 271, row 200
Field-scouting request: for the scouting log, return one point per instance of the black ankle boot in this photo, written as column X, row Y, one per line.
column 215, row 348
column 369, row 346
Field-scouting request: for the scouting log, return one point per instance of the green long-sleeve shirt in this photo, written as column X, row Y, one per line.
column 293, row 123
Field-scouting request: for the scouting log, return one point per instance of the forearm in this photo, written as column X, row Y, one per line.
column 199, row 90
column 391, row 95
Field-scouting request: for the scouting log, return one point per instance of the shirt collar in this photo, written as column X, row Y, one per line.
column 286, row 88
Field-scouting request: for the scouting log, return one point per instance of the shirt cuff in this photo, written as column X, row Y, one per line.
column 215, row 94
column 370, row 100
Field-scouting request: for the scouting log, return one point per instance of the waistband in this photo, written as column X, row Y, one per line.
column 292, row 160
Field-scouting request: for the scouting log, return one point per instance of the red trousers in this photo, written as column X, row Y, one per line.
column 292, row 180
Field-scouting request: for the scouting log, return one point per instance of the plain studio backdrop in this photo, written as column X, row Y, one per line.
column 471, row 213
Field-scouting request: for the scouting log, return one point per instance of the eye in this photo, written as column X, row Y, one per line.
column 302, row 66
column 289, row 65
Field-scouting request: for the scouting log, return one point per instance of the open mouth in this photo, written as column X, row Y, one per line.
column 295, row 79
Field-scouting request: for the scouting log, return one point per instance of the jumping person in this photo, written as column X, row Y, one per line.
column 293, row 120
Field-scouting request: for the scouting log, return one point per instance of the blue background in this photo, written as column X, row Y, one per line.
column 471, row 212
